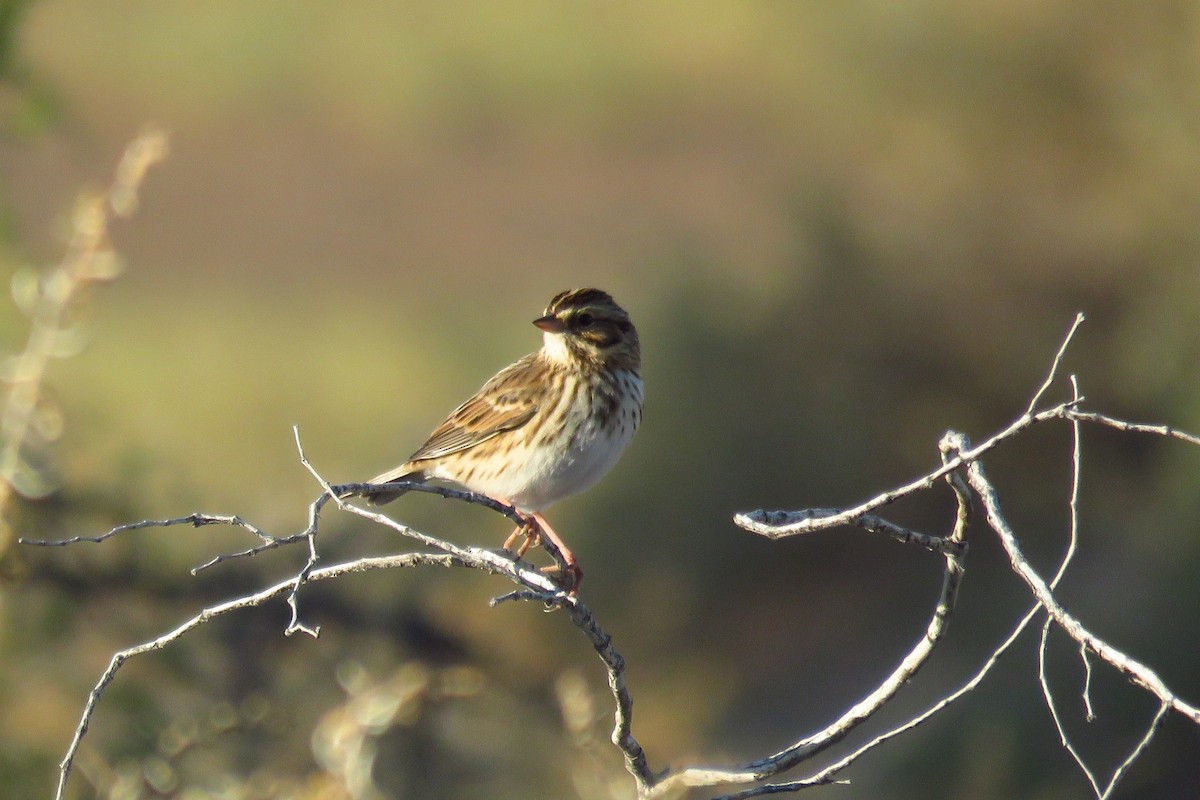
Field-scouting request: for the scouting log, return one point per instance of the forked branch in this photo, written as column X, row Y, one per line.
column 961, row 467
column 534, row 586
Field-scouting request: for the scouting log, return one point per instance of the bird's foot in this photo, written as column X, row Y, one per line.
column 566, row 572
column 567, row 576
column 529, row 535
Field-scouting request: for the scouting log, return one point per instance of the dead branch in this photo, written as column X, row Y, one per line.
column 961, row 467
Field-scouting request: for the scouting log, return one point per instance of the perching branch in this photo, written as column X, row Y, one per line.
column 536, row 586
column 961, row 467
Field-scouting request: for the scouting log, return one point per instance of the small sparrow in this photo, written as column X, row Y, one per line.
column 546, row 427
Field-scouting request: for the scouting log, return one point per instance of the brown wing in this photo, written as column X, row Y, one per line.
column 505, row 403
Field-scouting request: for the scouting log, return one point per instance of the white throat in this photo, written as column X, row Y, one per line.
column 554, row 345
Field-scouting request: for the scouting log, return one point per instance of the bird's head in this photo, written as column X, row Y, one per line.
column 587, row 325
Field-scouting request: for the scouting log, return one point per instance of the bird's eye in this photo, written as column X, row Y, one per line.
column 584, row 320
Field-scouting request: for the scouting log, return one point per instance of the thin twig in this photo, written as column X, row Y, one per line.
column 959, row 458
column 1052, row 707
column 1151, row 731
column 1043, row 681
column 1137, row 672
column 1131, row 427
column 869, row 522
column 195, row 519
column 359, row 489
column 951, row 581
column 1089, row 713
column 538, row 587
column 257, row 598
column 778, row 524
column 1054, row 365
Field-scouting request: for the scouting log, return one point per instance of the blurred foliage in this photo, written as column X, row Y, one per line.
column 841, row 229
column 28, row 106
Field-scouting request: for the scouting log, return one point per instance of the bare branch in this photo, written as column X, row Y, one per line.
column 778, row 521
column 212, row 612
column 1086, row 693
column 1047, row 694
column 785, row 523
column 622, row 735
column 1151, row 730
column 1137, row 672
column 778, row 524
column 980, row 674
column 1131, row 427
column 904, row 672
column 196, row 520
column 537, row 587
column 1054, row 365
column 961, row 468
column 951, row 581
column 540, row 588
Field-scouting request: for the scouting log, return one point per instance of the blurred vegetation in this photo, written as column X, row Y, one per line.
column 841, row 229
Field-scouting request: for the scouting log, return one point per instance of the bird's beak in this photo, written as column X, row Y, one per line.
column 550, row 324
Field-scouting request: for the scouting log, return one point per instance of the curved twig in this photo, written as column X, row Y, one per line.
column 962, row 468
column 212, row 612
column 864, row 709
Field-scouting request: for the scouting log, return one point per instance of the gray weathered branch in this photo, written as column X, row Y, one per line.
column 962, row 468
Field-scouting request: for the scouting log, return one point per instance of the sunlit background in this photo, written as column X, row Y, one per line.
column 841, row 229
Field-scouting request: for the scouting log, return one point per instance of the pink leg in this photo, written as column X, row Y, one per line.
column 574, row 571
column 537, row 527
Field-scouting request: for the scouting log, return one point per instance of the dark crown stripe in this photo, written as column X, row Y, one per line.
column 578, row 298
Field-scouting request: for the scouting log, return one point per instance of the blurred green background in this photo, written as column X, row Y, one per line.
column 841, row 229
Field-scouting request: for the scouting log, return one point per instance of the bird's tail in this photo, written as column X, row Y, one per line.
column 404, row 472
